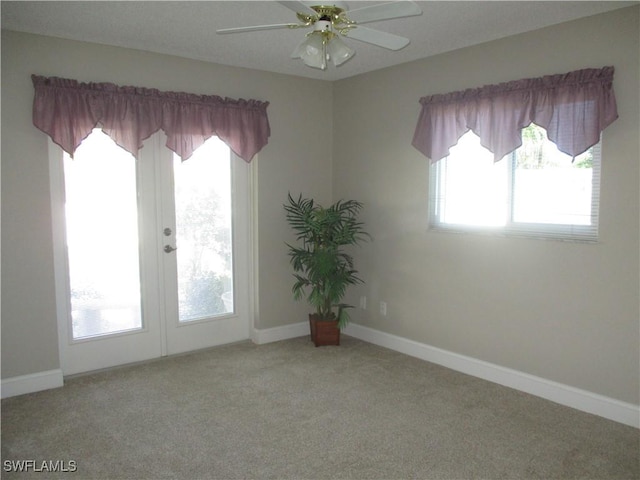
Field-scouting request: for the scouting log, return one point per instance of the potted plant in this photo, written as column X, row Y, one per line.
column 322, row 268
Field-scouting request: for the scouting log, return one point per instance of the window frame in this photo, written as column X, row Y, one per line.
column 511, row 228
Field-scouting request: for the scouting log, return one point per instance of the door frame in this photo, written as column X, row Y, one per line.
column 61, row 273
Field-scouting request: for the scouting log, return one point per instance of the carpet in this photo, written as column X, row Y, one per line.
column 288, row 410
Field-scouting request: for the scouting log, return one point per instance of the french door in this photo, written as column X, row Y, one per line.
column 152, row 254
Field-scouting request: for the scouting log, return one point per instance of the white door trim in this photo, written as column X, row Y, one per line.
column 248, row 268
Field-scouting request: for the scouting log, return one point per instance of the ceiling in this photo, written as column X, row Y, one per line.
column 188, row 28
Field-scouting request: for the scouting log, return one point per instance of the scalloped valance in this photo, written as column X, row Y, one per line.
column 574, row 108
column 67, row 111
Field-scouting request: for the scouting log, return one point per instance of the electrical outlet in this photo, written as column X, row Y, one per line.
column 383, row 309
column 363, row 302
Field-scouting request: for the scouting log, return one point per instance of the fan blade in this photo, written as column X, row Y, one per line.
column 384, row 11
column 299, row 7
column 376, row 37
column 259, row 27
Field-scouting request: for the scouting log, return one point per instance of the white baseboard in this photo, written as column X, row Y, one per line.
column 276, row 334
column 34, row 382
column 612, row 409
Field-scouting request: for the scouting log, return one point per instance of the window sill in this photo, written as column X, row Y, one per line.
column 518, row 234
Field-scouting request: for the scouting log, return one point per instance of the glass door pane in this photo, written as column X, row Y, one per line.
column 102, row 238
column 202, row 186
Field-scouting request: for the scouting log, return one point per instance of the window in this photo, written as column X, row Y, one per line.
column 525, row 185
column 536, row 190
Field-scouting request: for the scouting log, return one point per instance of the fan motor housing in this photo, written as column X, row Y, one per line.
column 322, row 25
column 328, row 5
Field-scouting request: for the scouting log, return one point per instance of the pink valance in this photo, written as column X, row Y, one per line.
column 574, row 108
column 68, row 110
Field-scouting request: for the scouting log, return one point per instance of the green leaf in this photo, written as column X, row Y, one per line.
column 322, row 269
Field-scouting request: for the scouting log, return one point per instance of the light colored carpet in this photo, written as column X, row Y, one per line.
column 288, row 410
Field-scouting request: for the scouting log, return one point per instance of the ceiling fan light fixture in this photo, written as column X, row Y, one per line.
column 338, row 51
column 313, row 50
column 322, row 45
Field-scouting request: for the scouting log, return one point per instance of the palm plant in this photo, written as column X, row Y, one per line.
column 323, row 270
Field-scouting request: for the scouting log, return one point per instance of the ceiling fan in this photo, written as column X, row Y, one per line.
column 332, row 20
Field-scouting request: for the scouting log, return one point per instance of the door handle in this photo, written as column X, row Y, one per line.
column 169, row 248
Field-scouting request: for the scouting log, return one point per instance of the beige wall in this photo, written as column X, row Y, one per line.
column 567, row 312
column 297, row 158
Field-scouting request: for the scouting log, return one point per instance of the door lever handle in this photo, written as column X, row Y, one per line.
column 169, row 248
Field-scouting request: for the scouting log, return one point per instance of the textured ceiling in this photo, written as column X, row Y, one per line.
column 188, row 29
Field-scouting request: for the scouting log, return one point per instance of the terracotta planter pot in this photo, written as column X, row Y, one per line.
column 324, row 332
